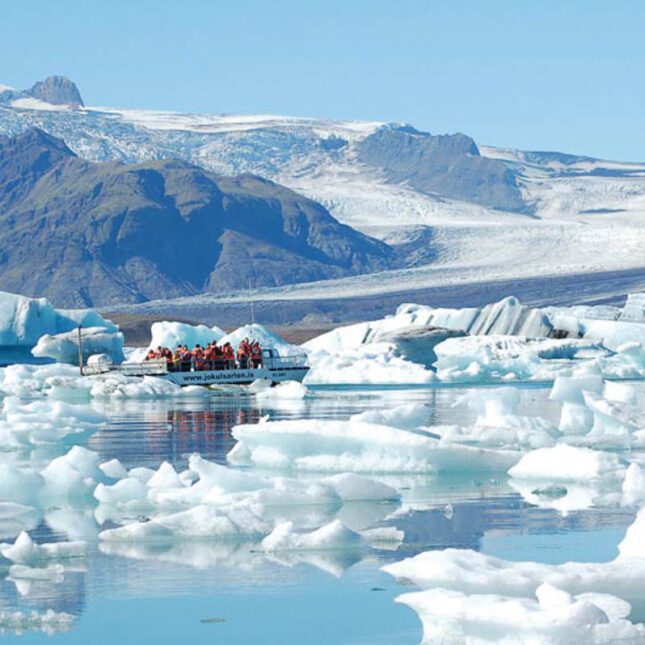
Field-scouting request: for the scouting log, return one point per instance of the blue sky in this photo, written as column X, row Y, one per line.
column 550, row 74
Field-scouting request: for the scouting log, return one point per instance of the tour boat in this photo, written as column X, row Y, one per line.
column 273, row 368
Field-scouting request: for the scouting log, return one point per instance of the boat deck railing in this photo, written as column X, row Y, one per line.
column 271, row 360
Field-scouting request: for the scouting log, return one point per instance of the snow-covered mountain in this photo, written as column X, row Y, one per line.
column 462, row 212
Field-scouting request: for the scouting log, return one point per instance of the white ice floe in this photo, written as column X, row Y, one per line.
column 288, row 391
column 66, row 480
column 45, row 422
column 471, row 572
column 221, row 503
column 408, row 416
column 568, row 463
column 633, row 486
column 552, row 617
column 356, row 446
column 64, row 347
column 59, row 381
column 510, row 358
column 501, row 341
column 198, row 522
column 25, row 551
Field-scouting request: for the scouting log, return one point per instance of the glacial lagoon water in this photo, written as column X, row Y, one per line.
column 201, row 592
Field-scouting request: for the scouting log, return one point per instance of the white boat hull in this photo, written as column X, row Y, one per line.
column 236, row 376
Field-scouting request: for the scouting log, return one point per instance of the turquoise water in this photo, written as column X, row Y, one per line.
column 208, row 592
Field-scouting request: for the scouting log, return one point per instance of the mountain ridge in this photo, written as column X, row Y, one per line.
column 86, row 233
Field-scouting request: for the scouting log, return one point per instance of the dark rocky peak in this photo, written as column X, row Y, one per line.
column 25, row 158
column 33, row 138
column 57, row 90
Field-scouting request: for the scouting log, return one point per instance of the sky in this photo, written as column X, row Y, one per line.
column 564, row 75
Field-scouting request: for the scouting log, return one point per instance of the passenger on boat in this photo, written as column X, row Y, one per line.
column 209, row 357
column 243, row 352
column 151, row 355
column 198, row 357
column 166, row 353
column 185, row 359
column 229, row 356
column 256, row 354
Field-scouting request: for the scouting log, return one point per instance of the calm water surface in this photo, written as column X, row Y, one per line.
column 208, row 592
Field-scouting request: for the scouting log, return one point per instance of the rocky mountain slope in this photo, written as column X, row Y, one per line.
column 457, row 212
column 85, row 233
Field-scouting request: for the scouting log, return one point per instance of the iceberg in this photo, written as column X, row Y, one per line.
column 471, row 572
column 45, row 422
column 553, row 616
column 500, row 341
column 24, row 320
column 357, row 446
column 264, row 336
column 569, row 463
column 25, row 551
column 171, row 334
column 63, row 347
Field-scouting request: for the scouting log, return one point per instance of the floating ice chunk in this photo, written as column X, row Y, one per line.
column 452, row 616
column 569, row 389
column 566, row 497
column 634, row 485
column 123, row 387
column 126, row 490
column 264, row 336
column 42, row 422
column 568, row 463
column 171, row 334
column 20, row 485
column 63, row 347
column 472, row 572
column 113, row 469
column 290, row 390
column 25, row 551
column 376, row 363
column 353, row 446
column 141, row 473
column 24, row 320
column 633, row 544
column 72, row 477
column 199, row 522
column 352, row 488
column 620, row 392
column 575, row 419
column 411, row 415
column 165, row 477
column 334, row 535
column 509, row 358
